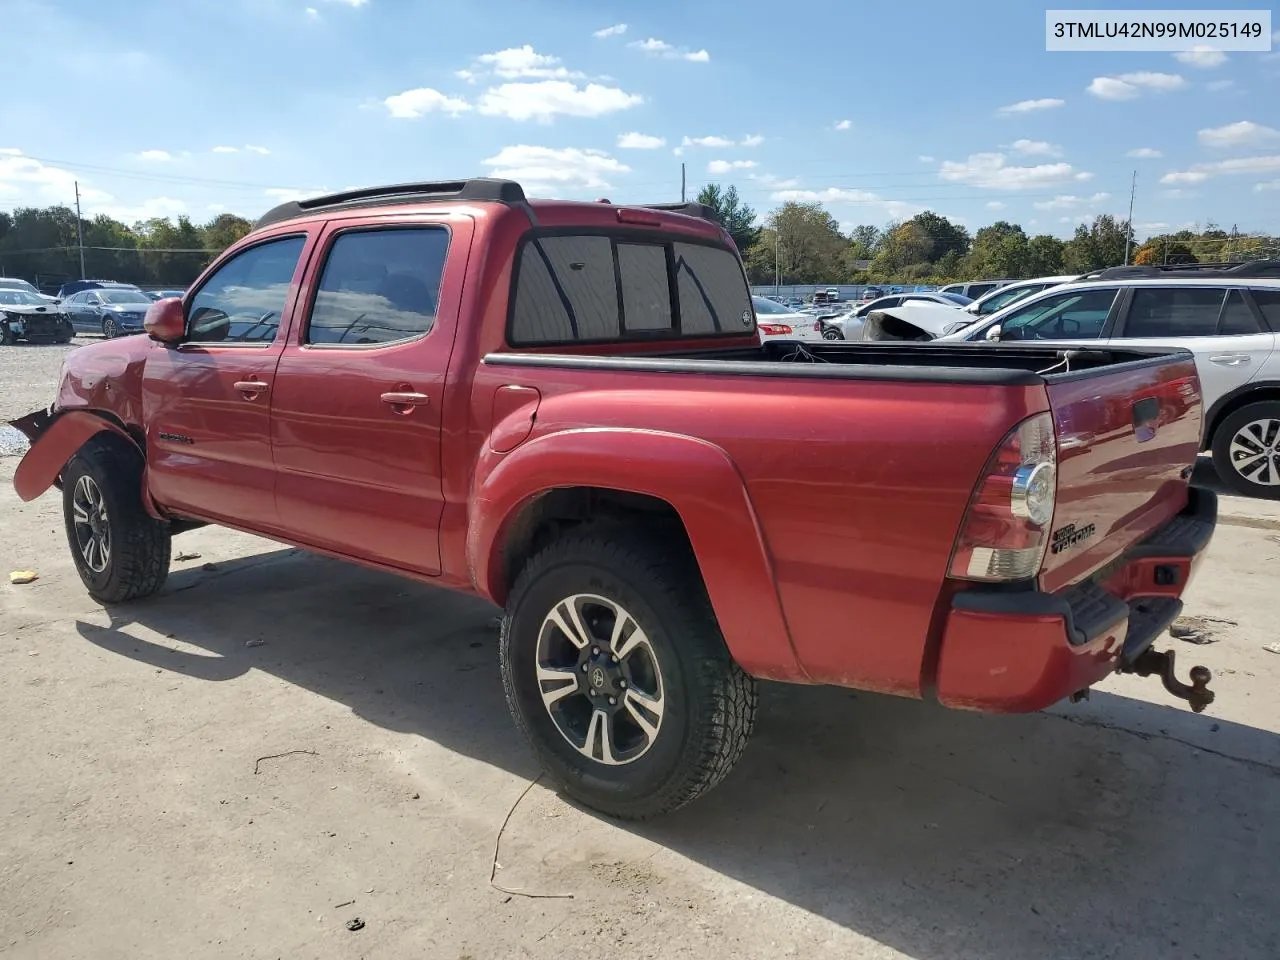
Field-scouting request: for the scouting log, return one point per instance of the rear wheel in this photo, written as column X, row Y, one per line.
column 1246, row 450
column 616, row 671
column 120, row 551
column 831, row 333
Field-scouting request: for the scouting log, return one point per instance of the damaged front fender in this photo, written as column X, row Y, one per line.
column 55, row 438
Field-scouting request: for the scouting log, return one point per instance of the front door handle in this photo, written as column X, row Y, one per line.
column 251, row 389
column 403, row 400
column 1231, row 359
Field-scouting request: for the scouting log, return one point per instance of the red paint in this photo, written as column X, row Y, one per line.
column 822, row 513
column 44, row 461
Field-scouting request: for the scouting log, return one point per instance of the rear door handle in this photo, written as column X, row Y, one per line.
column 405, row 398
column 1231, row 359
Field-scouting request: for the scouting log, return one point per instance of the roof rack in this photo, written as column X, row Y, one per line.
column 1248, row 270
column 479, row 188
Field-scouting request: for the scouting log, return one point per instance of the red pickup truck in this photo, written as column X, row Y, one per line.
column 565, row 408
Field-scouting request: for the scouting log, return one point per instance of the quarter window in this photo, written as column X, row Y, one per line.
column 1237, row 318
column 1174, row 312
column 243, row 300
column 379, row 286
column 1268, row 302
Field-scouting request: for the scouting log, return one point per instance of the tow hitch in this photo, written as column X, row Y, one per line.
column 1149, row 662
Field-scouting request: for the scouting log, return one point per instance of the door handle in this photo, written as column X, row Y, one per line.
column 1230, row 359
column 250, row 388
column 405, row 398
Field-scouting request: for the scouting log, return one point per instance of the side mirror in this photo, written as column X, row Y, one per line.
column 993, row 334
column 164, row 321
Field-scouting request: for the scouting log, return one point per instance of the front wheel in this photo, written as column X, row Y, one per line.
column 110, row 329
column 616, row 672
column 120, row 551
column 1246, row 450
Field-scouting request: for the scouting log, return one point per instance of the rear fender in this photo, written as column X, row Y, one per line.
column 700, row 482
column 55, row 444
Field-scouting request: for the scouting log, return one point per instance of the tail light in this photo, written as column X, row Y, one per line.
column 817, row 327
column 774, row 329
column 1006, row 528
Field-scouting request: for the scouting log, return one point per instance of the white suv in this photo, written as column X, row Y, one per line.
column 1228, row 316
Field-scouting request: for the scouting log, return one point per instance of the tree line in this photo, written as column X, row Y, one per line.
column 802, row 243
column 42, row 245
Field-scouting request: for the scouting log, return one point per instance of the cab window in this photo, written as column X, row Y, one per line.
column 243, row 300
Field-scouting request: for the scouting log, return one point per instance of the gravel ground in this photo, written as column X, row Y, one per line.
column 278, row 745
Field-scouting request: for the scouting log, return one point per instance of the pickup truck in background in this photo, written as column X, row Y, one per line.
column 565, row 408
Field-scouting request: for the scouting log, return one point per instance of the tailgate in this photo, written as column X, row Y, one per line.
column 1128, row 436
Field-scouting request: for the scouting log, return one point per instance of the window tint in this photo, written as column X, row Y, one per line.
column 1237, row 318
column 1268, row 302
column 1079, row 315
column 998, row 301
column 379, row 286
column 646, row 294
column 714, row 297
column 1174, row 312
column 567, row 289
column 242, row 301
column 977, row 289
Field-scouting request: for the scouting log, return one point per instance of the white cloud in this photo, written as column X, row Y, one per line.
column 1243, row 133
column 892, row 208
column 1129, row 86
column 548, row 169
column 712, row 141
column 467, row 75
column 773, row 182
column 995, row 205
column 640, row 141
column 1201, row 56
column 30, row 182
column 925, row 158
column 1153, row 226
column 156, row 156
column 1266, row 185
column 351, row 3
column 1036, row 148
column 844, row 124
column 752, row 141
column 1203, row 171
column 1177, row 193
column 285, row 194
column 1029, row 106
column 1066, row 201
column 261, row 151
column 517, row 62
column 151, row 208
column 1185, row 176
column 666, row 51
column 226, row 149
column 1145, row 153
column 312, row 13
column 1217, row 86
column 423, row 100
column 541, row 101
column 617, row 30
column 725, row 166
column 992, row 170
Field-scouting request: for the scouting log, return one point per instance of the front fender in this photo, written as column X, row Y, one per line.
column 697, row 478
column 53, row 446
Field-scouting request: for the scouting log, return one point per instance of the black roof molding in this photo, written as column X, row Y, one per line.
column 1248, row 270
column 479, row 188
column 700, row 210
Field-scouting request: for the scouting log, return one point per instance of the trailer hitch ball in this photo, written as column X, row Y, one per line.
column 1197, row 693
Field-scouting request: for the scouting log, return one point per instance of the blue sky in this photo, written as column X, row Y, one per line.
column 162, row 107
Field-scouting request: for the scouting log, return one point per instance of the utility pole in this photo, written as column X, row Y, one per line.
column 777, row 270
column 1128, row 236
column 682, row 199
column 79, row 230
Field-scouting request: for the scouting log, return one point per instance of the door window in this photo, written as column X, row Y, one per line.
column 1174, row 312
column 1237, row 318
column 243, row 300
column 378, row 287
column 998, row 301
column 1078, row 315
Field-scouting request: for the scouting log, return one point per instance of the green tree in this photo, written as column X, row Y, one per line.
column 1099, row 245
column 999, row 251
column 736, row 217
column 805, row 241
column 1044, row 256
column 944, row 236
column 904, row 245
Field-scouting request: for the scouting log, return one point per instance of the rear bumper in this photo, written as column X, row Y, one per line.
column 1015, row 652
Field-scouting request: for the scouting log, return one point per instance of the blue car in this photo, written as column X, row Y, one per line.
column 111, row 311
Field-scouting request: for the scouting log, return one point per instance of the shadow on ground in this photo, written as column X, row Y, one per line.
column 940, row 834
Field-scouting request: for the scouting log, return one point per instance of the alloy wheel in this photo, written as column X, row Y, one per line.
column 599, row 679
column 93, row 533
column 1255, row 452
column 109, row 329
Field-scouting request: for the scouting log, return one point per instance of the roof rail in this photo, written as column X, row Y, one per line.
column 479, row 188
column 702, row 211
column 1248, row 270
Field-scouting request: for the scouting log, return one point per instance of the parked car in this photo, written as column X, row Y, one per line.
column 113, row 311
column 1228, row 316
column 30, row 317
column 1002, row 297
column 15, row 283
column 564, row 408
column 850, row 323
column 76, row 286
column 975, row 289
column 163, row 294
column 776, row 322
column 870, row 293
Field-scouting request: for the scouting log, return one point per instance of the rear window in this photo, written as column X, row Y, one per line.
column 585, row 288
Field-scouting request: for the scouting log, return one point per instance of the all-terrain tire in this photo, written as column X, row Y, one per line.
column 136, row 561
column 1255, row 425
column 710, row 703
